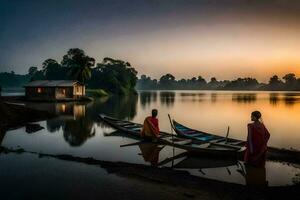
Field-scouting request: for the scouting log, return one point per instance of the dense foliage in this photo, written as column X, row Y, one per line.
column 112, row 75
column 12, row 80
column 168, row 81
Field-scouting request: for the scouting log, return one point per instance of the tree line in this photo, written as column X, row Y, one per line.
column 168, row 82
column 112, row 75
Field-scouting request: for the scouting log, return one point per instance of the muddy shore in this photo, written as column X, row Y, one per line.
column 193, row 186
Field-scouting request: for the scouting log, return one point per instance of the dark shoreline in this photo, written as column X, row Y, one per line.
column 174, row 178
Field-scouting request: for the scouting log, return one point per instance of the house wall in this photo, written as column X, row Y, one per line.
column 63, row 92
column 54, row 93
column 79, row 90
column 38, row 93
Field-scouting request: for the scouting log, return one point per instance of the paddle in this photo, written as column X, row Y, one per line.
column 132, row 144
column 227, row 134
column 172, row 127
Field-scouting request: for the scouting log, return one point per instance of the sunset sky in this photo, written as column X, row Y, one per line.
column 222, row 38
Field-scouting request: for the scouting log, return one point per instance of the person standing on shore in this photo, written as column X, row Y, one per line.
column 257, row 139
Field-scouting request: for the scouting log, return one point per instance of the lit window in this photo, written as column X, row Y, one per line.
column 64, row 91
column 39, row 90
column 63, row 108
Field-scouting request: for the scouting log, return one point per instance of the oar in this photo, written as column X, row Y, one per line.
column 227, row 134
column 172, row 127
column 132, row 144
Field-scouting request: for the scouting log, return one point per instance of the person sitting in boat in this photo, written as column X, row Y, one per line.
column 150, row 127
column 257, row 139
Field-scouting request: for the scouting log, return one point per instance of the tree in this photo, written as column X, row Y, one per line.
column 167, row 81
column 275, row 83
column 32, row 70
column 116, row 76
column 290, row 80
column 51, row 70
column 79, row 64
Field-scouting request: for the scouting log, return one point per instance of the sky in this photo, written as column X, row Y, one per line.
column 212, row 38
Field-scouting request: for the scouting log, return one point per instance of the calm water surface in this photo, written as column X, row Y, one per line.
column 78, row 131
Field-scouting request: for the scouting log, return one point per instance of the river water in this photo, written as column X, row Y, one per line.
column 77, row 131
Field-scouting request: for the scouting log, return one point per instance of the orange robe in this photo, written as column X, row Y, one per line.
column 150, row 128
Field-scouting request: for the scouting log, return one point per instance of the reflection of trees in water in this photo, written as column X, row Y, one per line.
column 147, row 97
column 186, row 97
column 53, row 125
column 78, row 125
column 273, row 98
column 76, row 132
column 121, row 107
column 167, row 98
column 213, row 97
column 244, row 97
column 290, row 99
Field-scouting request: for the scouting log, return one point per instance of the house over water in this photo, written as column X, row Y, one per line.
column 54, row 90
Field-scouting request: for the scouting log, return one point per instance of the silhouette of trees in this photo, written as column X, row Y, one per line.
column 79, row 64
column 32, row 70
column 167, row 81
column 115, row 76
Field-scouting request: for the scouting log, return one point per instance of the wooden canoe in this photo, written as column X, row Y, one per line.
column 179, row 158
column 273, row 153
column 189, row 133
column 192, row 146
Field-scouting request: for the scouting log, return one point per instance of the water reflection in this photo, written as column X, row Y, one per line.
column 213, row 97
column 192, row 97
column 147, row 97
column 150, row 152
column 290, row 99
column 256, row 177
column 167, row 98
column 76, row 132
column 244, row 97
column 274, row 98
column 2, row 135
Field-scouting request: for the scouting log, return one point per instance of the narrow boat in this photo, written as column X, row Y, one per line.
column 273, row 153
column 192, row 146
column 189, row 133
column 176, row 158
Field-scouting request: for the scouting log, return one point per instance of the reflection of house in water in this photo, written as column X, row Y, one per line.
column 167, row 98
column 68, row 109
column 244, row 97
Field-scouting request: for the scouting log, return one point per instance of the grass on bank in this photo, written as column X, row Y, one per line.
column 96, row 93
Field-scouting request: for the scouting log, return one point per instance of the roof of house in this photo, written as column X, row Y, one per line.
column 52, row 83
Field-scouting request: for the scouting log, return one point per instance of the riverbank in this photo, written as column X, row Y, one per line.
column 151, row 181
